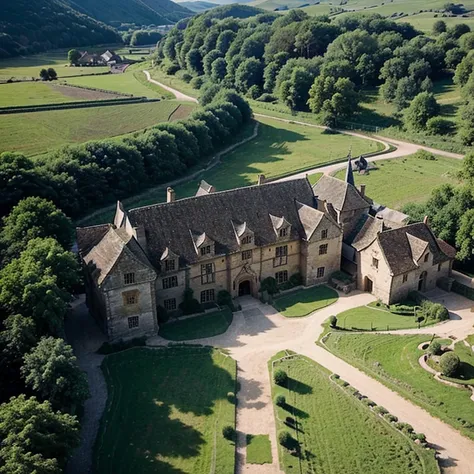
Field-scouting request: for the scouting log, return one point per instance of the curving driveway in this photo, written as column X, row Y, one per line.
column 177, row 94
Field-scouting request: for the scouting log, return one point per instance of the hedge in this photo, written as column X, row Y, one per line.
column 463, row 290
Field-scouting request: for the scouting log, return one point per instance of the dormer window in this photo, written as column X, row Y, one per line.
column 169, row 261
column 246, row 240
column 170, row 265
column 324, row 234
column 284, row 232
column 281, row 226
column 206, row 250
column 129, row 278
column 427, row 256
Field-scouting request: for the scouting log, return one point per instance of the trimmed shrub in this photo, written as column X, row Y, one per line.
column 285, row 439
column 224, row 298
column 267, row 98
column 434, row 348
column 421, row 437
column 439, row 126
column 391, row 418
column 296, row 279
column 332, row 321
column 449, row 363
column 280, row 400
column 380, row 410
column 368, row 402
column 231, row 397
column 269, row 285
column 228, row 432
column 440, row 312
column 189, row 305
column 425, row 155
column 290, row 421
column 280, row 377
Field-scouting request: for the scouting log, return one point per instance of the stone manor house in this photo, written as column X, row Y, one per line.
column 232, row 240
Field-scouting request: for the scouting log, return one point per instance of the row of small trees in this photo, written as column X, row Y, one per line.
column 79, row 178
column 41, row 385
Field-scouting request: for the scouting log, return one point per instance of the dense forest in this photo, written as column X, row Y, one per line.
column 30, row 27
column 321, row 65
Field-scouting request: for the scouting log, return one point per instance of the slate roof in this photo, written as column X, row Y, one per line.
column 368, row 233
column 343, row 196
column 172, row 224
column 103, row 256
column 87, row 237
column 309, row 218
column 402, row 246
column 205, row 188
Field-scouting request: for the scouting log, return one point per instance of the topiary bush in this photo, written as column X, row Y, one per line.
column 228, row 432
column 190, row 305
column 449, row 363
column 380, row 410
column 285, row 439
column 280, row 400
column 391, row 418
column 280, row 377
column 434, row 348
column 269, row 285
column 224, row 298
column 333, row 321
column 296, row 279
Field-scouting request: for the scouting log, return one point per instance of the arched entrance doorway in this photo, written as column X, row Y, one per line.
column 422, row 282
column 245, row 288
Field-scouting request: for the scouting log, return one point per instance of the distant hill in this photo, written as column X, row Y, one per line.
column 140, row 12
column 198, row 6
column 32, row 26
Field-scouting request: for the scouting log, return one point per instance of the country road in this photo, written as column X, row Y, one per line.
column 177, row 94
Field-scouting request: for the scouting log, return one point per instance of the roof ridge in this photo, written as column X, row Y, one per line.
column 158, row 204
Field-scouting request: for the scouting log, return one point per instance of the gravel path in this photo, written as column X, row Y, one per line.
column 177, row 94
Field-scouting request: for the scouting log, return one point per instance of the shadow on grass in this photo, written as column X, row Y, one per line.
column 299, row 387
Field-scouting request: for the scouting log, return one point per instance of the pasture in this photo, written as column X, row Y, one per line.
column 165, row 412
column 393, row 360
column 415, row 178
column 54, row 128
column 336, row 432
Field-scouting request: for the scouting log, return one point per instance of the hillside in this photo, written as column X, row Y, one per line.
column 28, row 27
column 140, row 12
column 198, row 6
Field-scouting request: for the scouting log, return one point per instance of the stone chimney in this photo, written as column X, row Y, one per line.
column 170, row 195
column 362, row 190
column 261, row 179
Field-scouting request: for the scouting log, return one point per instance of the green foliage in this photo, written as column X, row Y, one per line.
column 424, row 155
column 465, row 237
column 248, row 74
column 449, row 363
column 189, row 305
column 51, row 371
column 280, row 400
column 34, row 437
column 333, row 321
column 296, row 279
column 280, row 377
column 439, row 126
column 421, row 109
column 229, row 432
column 18, row 337
column 286, row 440
column 435, row 348
column 110, row 348
column 145, row 37
column 466, row 123
column 224, row 298
column 73, row 55
column 439, row 27
column 269, row 285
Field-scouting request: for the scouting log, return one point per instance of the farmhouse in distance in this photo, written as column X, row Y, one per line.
column 233, row 240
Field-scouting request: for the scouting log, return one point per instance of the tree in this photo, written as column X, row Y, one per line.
column 35, row 217
column 466, row 123
column 208, row 59
column 280, row 400
column 439, row 126
column 52, row 74
column 456, row 31
column 44, row 75
column 34, row 437
column 333, row 321
column 467, row 170
column 296, row 92
column 465, row 237
column 51, row 370
column 422, row 108
column 249, row 73
column 218, row 70
column 73, row 56
column 406, row 91
column 194, row 61
column 449, row 363
column 439, row 26
column 454, row 57
column 280, row 377
column 435, row 348
column 18, row 337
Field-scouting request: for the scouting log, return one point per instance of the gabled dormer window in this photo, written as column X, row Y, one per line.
column 281, row 226
column 169, row 261
column 246, row 240
column 205, row 250
column 283, row 232
column 170, row 265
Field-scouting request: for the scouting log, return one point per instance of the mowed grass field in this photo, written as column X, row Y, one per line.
column 337, row 433
column 165, row 412
column 303, row 302
column 52, row 129
column 424, row 21
column 393, row 360
column 399, row 181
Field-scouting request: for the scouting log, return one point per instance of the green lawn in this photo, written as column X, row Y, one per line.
column 337, row 433
column 198, row 327
column 393, row 360
column 368, row 319
column 415, row 179
column 52, row 129
column 424, row 21
column 259, row 449
column 303, row 302
column 26, row 67
column 165, row 412
column 470, row 339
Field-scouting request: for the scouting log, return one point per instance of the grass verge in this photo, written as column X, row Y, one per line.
column 303, row 302
column 259, row 449
column 335, row 431
column 170, row 418
column 393, row 360
column 198, row 327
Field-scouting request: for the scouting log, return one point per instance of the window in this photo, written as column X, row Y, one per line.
column 170, row 304
column 281, row 256
column 207, row 296
column 246, row 240
column 405, row 278
column 246, row 255
column 283, row 232
column 320, row 272
column 324, row 234
column 323, row 249
column 427, row 256
column 170, row 282
column 130, row 298
column 281, row 277
column 207, row 273
column 133, row 322
column 169, row 265
column 440, row 265
column 205, row 250
column 129, row 278
column 375, row 262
